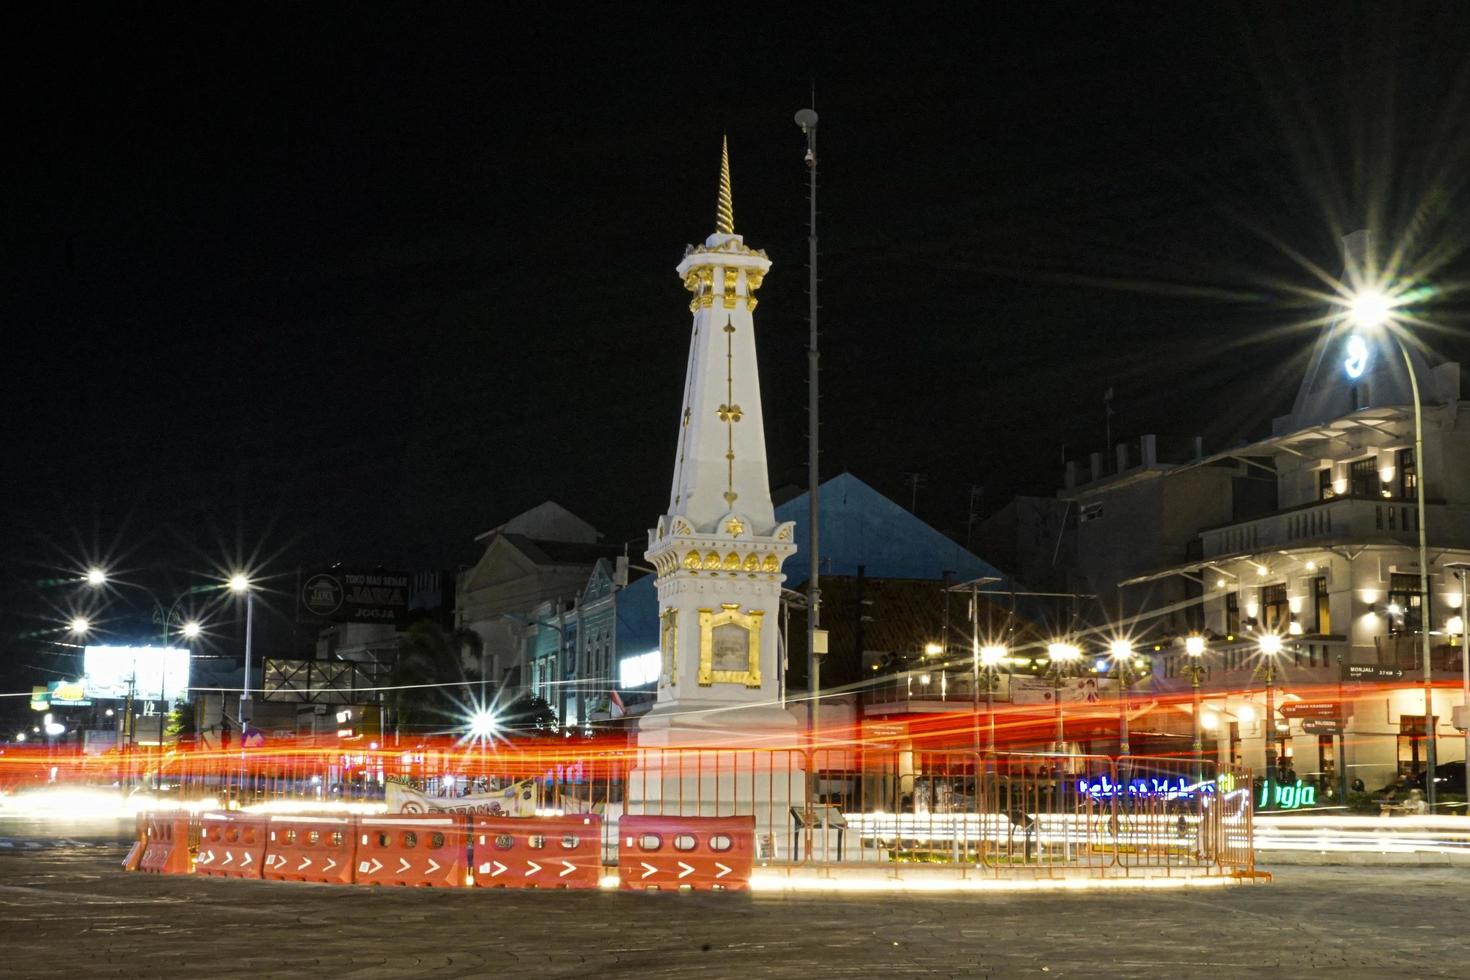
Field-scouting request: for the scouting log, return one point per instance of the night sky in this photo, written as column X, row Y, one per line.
column 296, row 286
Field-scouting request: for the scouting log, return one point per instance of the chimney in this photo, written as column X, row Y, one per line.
column 1148, row 448
column 620, row 571
column 1070, row 480
column 1096, row 460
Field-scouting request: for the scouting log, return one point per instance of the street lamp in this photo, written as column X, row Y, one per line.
column 1121, row 650
column 1270, row 647
column 1194, row 648
column 1063, row 657
column 80, row 625
column 991, row 657
column 96, row 577
column 1373, row 310
column 240, row 584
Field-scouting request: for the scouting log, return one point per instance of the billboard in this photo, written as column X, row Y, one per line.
column 356, row 596
column 1073, row 690
column 149, row 673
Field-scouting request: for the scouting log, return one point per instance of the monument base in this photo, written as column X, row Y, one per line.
column 717, row 760
column 717, row 724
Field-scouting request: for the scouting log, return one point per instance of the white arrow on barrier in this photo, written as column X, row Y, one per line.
column 500, row 869
column 723, row 870
column 374, row 868
column 245, row 861
column 570, row 867
column 305, row 863
column 402, row 865
column 433, row 866
column 651, row 869
column 534, row 867
column 229, row 856
column 331, row 863
column 688, row 870
column 206, row 857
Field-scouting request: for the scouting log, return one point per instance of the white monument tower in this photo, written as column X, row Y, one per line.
column 718, row 550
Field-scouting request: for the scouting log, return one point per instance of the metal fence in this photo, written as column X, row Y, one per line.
column 1003, row 813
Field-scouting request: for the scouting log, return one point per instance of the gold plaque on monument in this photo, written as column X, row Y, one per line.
column 730, row 646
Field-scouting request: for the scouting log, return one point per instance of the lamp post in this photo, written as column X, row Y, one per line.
column 1194, row 649
column 1270, row 647
column 240, row 584
column 1063, row 658
column 1372, row 309
column 806, row 120
column 991, row 656
column 1122, row 653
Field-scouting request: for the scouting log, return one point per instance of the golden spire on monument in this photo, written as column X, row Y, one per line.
column 725, row 215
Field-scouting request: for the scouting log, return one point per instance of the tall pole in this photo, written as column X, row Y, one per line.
column 975, row 660
column 1419, row 468
column 1464, row 656
column 807, row 120
column 1123, row 678
column 245, row 686
column 1270, row 726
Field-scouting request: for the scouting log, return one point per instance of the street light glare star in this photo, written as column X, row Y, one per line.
column 1370, row 308
column 96, row 577
column 1121, row 649
column 239, row 582
column 192, row 629
column 80, row 625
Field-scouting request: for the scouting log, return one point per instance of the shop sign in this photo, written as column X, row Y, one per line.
column 1281, row 796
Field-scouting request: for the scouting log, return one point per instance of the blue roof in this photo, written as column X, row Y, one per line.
column 859, row 526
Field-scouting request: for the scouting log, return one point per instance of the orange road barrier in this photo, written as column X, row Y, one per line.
column 310, row 849
column 167, row 851
column 140, row 844
column 425, row 849
column 538, row 852
column 231, row 845
column 703, row 853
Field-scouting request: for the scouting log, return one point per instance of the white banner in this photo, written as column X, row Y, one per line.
column 515, row 800
column 1073, row 690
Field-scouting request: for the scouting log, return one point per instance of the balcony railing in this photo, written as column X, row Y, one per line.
column 1343, row 519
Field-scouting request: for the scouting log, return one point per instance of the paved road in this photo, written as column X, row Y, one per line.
column 67, row 911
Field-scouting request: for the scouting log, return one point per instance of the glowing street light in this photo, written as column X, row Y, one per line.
column 1270, row 647
column 1063, row 657
column 96, row 577
column 1194, row 646
column 484, row 724
column 79, row 625
column 1121, row 650
column 1373, row 309
column 240, row 584
column 1370, row 308
column 191, row 629
column 991, row 655
column 932, row 649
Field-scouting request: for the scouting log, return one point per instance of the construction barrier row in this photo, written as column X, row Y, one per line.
column 448, row 850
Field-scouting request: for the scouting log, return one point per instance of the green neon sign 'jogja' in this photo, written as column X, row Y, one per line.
column 1286, row 797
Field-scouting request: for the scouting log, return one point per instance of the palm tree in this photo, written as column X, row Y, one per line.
column 432, row 670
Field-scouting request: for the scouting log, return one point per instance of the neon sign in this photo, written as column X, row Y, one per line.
column 1357, row 357
column 1178, row 788
column 1286, row 797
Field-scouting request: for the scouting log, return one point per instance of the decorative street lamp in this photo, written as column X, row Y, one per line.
column 991, row 657
column 1063, row 659
column 1373, row 311
column 1270, row 647
column 240, row 584
column 1194, row 649
column 1121, row 650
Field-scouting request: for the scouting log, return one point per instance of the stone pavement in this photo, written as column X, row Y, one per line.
column 68, row 911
